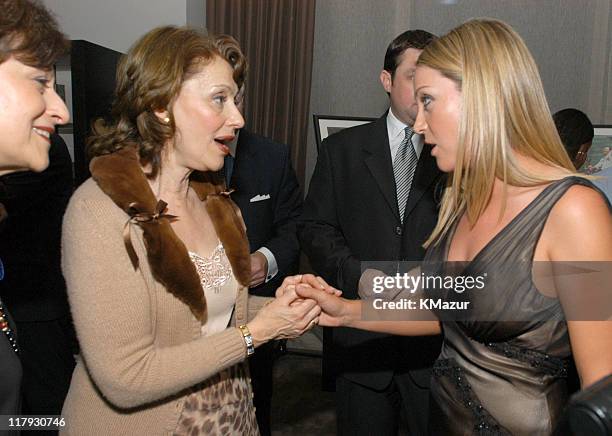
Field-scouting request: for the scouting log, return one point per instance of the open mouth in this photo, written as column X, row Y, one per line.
column 223, row 142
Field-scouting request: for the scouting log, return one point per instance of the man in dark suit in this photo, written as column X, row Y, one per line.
column 371, row 198
column 33, row 287
column 269, row 197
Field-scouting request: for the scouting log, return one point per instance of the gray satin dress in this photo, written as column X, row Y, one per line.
column 505, row 377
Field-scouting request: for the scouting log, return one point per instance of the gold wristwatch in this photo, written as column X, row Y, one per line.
column 248, row 339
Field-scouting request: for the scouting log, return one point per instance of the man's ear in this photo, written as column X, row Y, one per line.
column 581, row 155
column 584, row 148
column 386, row 80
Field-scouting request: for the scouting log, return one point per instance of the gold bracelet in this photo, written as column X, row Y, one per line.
column 248, row 339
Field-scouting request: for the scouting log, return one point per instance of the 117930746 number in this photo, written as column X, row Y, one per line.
column 32, row 422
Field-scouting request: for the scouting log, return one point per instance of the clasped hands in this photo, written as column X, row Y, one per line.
column 295, row 310
column 333, row 311
column 305, row 300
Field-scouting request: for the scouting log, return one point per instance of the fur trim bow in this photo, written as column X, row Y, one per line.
column 120, row 176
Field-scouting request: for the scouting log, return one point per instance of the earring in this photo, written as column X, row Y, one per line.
column 167, row 120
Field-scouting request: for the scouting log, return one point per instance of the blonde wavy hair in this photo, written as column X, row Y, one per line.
column 504, row 112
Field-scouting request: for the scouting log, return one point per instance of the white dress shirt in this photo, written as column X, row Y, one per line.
column 395, row 130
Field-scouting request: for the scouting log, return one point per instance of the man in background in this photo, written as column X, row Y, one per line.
column 371, row 198
column 576, row 132
column 269, row 197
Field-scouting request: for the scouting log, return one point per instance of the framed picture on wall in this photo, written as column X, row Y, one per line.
column 326, row 125
column 599, row 156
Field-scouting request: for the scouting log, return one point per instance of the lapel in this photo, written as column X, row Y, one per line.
column 120, row 177
column 378, row 160
column 425, row 174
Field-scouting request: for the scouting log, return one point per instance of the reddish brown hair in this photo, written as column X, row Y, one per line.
column 230, row 50
column 149, row 77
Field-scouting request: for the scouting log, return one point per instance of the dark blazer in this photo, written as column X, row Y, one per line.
column 351, row 215
column 263, row 167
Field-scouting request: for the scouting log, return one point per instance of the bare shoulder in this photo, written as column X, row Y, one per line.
column 579, row 226
column 583, row 204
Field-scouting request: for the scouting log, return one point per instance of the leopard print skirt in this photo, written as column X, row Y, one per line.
column 222, row 405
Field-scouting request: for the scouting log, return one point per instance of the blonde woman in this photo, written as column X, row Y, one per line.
column 512, row 198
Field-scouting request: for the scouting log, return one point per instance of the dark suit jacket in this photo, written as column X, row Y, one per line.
column 351, row 215
column 34, row 287
column 263, row 167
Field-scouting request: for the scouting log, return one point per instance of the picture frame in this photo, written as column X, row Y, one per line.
column 599, row 156
column 326, row 125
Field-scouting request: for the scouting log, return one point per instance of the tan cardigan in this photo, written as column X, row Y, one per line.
column 141, row 348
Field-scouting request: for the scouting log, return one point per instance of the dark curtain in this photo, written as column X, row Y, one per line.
column 277, row 37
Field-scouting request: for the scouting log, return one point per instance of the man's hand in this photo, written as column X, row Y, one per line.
column 259, row 269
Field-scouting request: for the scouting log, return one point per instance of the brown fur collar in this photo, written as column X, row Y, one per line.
column 120, row 176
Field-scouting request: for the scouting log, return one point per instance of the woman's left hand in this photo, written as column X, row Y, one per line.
column 285, row 317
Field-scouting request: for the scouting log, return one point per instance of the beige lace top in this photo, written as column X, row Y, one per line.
column 219, row 287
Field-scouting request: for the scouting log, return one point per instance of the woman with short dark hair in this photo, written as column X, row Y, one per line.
column 30, row 43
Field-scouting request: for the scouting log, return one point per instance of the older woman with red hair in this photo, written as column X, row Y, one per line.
column 156, row 258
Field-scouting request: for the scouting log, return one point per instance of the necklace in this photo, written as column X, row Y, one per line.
column 8, row 331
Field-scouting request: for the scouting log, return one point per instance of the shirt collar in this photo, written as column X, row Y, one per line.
column 395, row 130
column 394, row 126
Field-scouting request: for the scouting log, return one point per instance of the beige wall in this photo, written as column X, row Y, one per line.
column 570, row 40
column 117, row 24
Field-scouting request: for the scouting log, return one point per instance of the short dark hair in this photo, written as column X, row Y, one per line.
column 574, row 129
column 409, row 39
column 29, row 33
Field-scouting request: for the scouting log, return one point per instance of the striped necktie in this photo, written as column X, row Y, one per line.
column 404, row 164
